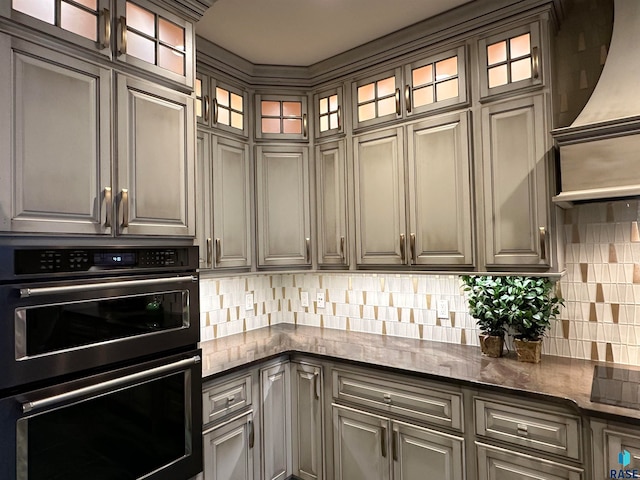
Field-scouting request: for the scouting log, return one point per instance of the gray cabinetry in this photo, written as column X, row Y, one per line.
column 331, row 203
column 156, row 160
column 514, row 157
column 609, row 441
column 282, row 203
column 306, row 411
column 204, row 235
column 228, row 449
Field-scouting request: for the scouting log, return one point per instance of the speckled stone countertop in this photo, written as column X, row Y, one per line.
column 555, row 378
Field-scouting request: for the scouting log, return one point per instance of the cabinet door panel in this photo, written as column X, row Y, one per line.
column 60, row 161
column 440, row 192
column 420, row 453
column 331, row 202
column 156, row 159
column 203, row 200
column 307, row 421
column 380, row 209
column 283, row 206
column 231, row 204
column 227, row 451
column 515, row 187
column 360, row 443
column 276, row 422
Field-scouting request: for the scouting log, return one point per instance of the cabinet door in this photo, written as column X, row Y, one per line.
column 331, row 204
column 228, row 450
column 276, row 422
column 56, row 134
column 361, row 445
column 377, row 99
column 156, row 139
column 610, row 445
column 307, row 438
column 500, row 464
column 515, row 182
column 440, row 192
column 203, row 200
column 284, row 226
column 419, row 453
column 203, row 99
column 281, row 117
column 380, row 198
column 231, row 204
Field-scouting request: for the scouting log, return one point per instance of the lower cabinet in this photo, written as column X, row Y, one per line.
column 609, row 444
column 228, row 449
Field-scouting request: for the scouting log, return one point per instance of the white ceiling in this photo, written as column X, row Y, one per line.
column 303, row 32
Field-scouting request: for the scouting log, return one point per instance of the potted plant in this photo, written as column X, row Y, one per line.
column 484, row 296
column 533, row 304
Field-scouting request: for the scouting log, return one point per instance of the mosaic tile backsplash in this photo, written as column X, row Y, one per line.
column 600, row 320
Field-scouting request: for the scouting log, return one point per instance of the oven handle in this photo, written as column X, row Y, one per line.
column 34, row 292
column 109, row 384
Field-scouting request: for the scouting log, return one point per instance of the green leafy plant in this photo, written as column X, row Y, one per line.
column 484, row 294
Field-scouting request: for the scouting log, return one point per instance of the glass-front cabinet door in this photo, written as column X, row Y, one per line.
column 282, row 117
column 328, row 108
column 377, row 99
column 221, row 105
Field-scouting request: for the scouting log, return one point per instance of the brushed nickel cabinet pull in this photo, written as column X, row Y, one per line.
column 412, row 246
column 123, row 36
column 522, row 429
column 535, row 60
column 339, row 117
column 398, row 101
column 383, row 441
column 407, row 97
column 387, row 397
column 205, row 108
column 215, row 110
column 209, row 250
column 394, row 445
column 543, row 243
column 316, row 383
column 307, row 246
column 304, row 125
column 251, row 434
column 108, row 207
column 231, row 398
column 124, row 205
column 218, row 250
column 106, row 18
column 403, row 256
column 342, row 248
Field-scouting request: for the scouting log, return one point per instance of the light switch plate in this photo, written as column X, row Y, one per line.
column 304, row 299
column 443, row 308
column 320, row 299
column 248, row 301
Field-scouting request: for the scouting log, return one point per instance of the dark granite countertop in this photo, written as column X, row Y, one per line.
column 555, row 378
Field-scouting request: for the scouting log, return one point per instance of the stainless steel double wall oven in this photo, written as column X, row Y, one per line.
column 100, row 375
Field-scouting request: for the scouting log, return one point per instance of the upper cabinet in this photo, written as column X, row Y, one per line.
column 328, row 107
column 510, row 60
column 282, row 117
column 427, row 83
column 221, row 105
column 137, row 32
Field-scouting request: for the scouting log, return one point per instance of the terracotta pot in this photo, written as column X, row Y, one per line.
column 491, row 345
column 528, row 350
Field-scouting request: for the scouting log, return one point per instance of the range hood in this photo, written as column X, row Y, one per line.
column 600, row 150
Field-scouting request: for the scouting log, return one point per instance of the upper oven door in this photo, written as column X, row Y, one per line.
column 51, row 329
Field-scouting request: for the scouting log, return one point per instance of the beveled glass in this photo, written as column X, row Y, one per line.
column 141, row 47
column 292, row 125
column 386, row 87
column 171, row 60
column 422, row 76
column 333, row 121
column 366, row 112
column 521, row 69
column 270, row 109
column 237, row 120
column 41, row 9
column 386, row 106
column 498, row 76
column 78, row 21
column 141, row 19
column 270, row 125
column 223, row 116
column 333, row 103
column 447, row 68
column 324, row 105
column 520, row 46
column 423, row 96
column 366, row 93
column 291, row 109
column 237, row 102
column 446, row 89
column 222, row 96
column 171, row 34
column 324, row 123
column 497, row 53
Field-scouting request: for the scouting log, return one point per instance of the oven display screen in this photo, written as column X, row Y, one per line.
column 114, row 259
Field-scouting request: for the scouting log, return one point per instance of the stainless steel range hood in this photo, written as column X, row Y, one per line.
column 600, row 151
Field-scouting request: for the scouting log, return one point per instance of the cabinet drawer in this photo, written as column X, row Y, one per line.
column 547, row 432
column 224, row 398
column 410, row 400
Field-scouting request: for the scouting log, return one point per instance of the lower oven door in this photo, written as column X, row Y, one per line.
column 138, row 422
column 50, row 329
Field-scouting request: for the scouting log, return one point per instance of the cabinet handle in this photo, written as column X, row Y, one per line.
column 397, row 101
column 106, row 18
column 307, row 246
column 209, row 250
column 407, row 97
column 124, row 205
column 394, row 445
column 522, row 429
column 205, row 108
column 218, row 251
column 304, row 125
column 342, row 248
column 108, row 207
column 535, row 60
column 123, row 36
column 215, row 110
column 543, row 242
column 231, row 398
column 402, row 248
column 316, row 383
column 251, row 434
column 387, row 397
column 339, row 117
column 383, row 441
column 412, row 247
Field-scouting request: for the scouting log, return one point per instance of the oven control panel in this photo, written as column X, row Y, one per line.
column 30, row 261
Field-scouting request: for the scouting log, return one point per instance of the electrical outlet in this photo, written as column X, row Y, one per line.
column 443, row 308
column 304, row 299
column 320, row 299
column 248, row 301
